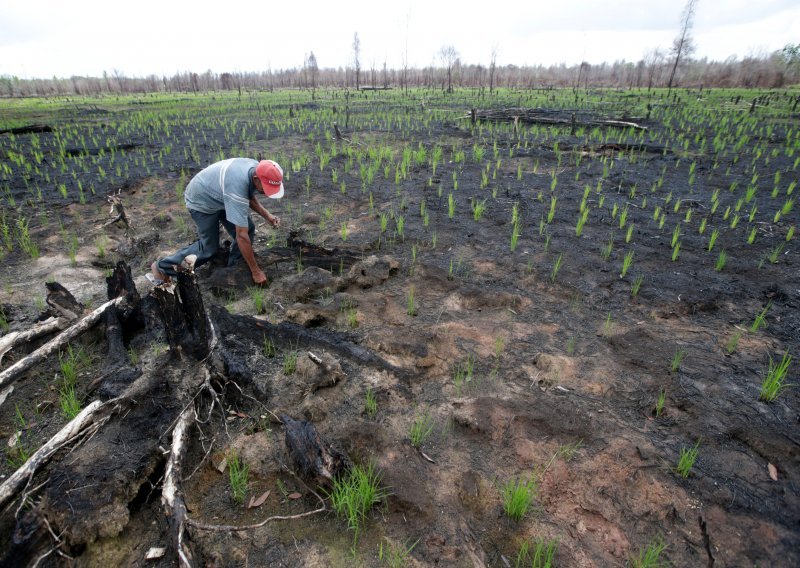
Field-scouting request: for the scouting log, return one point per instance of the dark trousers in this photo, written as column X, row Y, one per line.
column 207, row 244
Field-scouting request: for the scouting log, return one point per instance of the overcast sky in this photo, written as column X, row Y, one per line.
column 40, row 38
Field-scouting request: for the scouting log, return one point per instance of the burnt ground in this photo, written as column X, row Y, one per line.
column 567, row 368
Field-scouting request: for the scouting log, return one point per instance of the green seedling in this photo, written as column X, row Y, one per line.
column 499, row 344
column 411, row 308
column 556, row 268
column 354, row 494
column 567, row 451
column 627, row 261
column 269, row 350
column 636, row 284
column 290, row 362
column 760, row 320
column 421, row 429
column 775, row 253
column 733, row 342
column 650, row 556
column 541, row 554
column 713, row 239
column 238, row 474
column 607, row 249
column 258, row 295
column 352, row 318
column 370, row 402
column 463, row 373
column 69, row 363
column 69, row 402
column 775, row 381
column 518, row 495
column 675, row 365
column 608, row 326
column 629, row 233
column 676, row 251
column 395, row 556
column 686, row 460
column 722, row 259
column 478, row 208
column 515, row 232
column 660, row 401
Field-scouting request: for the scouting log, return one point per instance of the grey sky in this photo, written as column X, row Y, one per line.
column 41, row 38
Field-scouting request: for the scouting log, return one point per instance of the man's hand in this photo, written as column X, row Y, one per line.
column 274, row 220
column 259, row 278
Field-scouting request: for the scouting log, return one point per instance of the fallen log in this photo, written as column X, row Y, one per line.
column 11, row 374
column 291, row 335
column 28, row 129
column 310, row 254
column 551, row 117
column 11, row 340
column 68, row 433
column 171, row 494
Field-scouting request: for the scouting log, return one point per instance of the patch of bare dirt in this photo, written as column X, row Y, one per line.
column 566, row 373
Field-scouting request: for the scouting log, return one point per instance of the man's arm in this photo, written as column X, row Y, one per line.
column 246, row 248
column 256, row 206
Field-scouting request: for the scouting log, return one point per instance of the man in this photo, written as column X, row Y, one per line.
column 225, row 192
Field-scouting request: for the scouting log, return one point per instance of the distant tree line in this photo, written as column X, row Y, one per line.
column 656, row 69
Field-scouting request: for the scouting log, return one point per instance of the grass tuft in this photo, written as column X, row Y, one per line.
column 370, row 403
column 238, row 474
column 395, row 555
column 686, row 460
column 518, row 495
column 775, row 381
column 421, row 429
column 650, row 556
column 538, row 553
column 354, row 494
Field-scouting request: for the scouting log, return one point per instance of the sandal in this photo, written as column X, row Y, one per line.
column 153, row 280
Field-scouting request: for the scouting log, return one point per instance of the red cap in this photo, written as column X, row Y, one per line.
column 271, row 176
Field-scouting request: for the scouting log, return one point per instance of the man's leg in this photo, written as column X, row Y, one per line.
column 205, row 247
column 236, row 255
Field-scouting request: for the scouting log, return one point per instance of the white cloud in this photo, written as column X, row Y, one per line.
column 85, row 37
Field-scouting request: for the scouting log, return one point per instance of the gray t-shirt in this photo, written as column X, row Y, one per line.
column 223, row 186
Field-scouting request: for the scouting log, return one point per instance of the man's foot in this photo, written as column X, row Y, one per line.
column 157, row 277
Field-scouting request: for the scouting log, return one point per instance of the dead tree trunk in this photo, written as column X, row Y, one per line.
column 88, row 496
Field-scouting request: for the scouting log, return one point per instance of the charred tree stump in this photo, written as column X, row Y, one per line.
column 116, row 204
column 184, row 316
column 118, row 373
column 61, row 302
column 88, row 496
column 120, row 283
column 313, row 458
